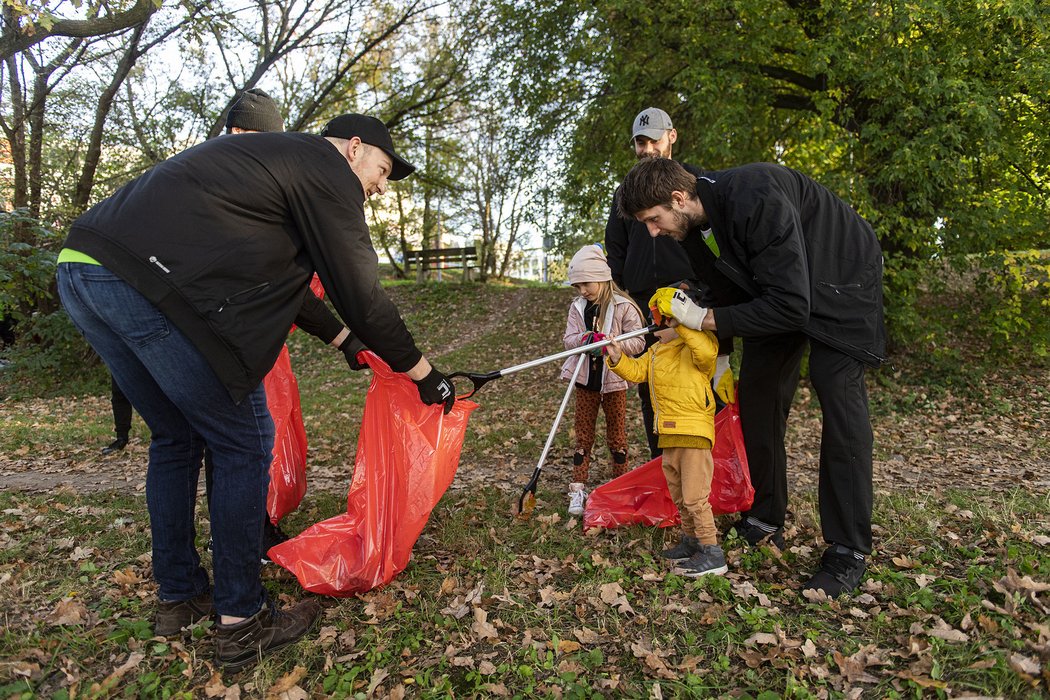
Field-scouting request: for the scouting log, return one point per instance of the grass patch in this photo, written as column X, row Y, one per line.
column 493, row 606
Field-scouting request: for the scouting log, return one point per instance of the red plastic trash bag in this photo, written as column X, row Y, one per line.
column 288, row 468
column 640, row 497
column 407, row 455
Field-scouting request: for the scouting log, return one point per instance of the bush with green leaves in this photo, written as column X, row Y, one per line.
column 48, row 351
column 1013, row 293
column 27, row 264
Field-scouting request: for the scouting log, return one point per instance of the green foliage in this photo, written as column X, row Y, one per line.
column 1013, row 293
column 48, row 352
column 27, row 264
column 927, row 117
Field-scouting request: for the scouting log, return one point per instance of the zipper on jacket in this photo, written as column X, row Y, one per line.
column 837, row 288
column 234, row 298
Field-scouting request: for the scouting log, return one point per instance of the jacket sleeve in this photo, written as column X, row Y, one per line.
column 770, row 232
column 574, row 329
column 703, row 346
column 326, row 203
column 631, row 320
column 315, row 318
column 633, row 369
column 616, row 236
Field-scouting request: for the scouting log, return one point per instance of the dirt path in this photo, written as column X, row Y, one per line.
column 942, row 447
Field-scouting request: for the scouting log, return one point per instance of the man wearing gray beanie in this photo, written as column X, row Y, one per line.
column 254, row 111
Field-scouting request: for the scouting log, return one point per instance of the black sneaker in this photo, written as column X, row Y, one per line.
column 841, row 570
column 116, row 446
column 272, row 536
column 173, row 615
column 686, row 547
column 709, row 559
column 755, row 532
column 243, row 643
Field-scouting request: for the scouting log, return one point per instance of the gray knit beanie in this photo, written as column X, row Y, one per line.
column 255, row 111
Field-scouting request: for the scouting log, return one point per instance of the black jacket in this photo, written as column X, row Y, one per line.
column 224, row 238
column 805, row 258
column 642, row 264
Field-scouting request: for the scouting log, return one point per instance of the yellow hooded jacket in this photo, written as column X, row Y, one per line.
column 679, row 376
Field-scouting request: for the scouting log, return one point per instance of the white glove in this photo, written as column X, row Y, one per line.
column 688, row 313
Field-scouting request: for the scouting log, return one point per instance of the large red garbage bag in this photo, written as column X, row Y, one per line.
column 640, row 497
column 407, row 455
column 288, row 468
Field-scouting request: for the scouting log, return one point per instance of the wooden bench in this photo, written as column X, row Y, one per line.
column 442, row 259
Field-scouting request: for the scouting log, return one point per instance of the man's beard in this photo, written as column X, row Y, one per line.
column 682, row 223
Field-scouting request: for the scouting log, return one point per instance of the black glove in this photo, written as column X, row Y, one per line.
column 350, row 347
column 436, row 388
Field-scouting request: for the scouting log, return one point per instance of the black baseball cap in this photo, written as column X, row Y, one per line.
column 373, row 132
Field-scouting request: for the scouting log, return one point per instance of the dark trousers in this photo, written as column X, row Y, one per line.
column 121, row 410
column 769, row 375
column 642, row 299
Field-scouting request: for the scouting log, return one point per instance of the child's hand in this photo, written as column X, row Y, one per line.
column 615, row 351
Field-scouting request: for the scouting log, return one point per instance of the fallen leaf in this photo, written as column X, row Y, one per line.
column 68, row 611
column 286, row 682
column 949, row 635
column 853, row 668
column 586, row 635
column 761, row 638
column 481, row 628
column 378, row 676
column 215, row 688
column 1025, row 665
column 126, row 577
column 567, row 646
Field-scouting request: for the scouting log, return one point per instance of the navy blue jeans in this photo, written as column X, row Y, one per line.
column 186, row 407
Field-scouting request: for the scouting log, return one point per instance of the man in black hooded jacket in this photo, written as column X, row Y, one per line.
column 812, row 268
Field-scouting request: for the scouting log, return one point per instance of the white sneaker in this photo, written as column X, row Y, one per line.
column 577, row 497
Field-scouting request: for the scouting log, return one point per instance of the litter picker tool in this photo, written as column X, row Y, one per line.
column 527, row 499
column 479, row 380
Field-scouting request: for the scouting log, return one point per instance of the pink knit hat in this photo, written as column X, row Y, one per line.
column 589, row 265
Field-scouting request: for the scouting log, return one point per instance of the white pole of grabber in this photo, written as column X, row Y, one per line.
column 576, row 351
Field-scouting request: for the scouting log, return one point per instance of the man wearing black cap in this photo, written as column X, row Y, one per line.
column 185, row 281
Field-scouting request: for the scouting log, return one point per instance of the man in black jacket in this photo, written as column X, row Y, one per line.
column 185, row 281
column 640, row 264
column 812, row 268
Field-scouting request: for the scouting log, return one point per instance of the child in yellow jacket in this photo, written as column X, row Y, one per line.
column 678, row 369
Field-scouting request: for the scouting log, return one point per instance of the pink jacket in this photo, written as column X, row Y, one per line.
column 624, row 319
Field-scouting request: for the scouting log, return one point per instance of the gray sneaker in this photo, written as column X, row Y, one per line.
column 243, row 643
column 686, row 547
column 709, row 559
column 173, row 615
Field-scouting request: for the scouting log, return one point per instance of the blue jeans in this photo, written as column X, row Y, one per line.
column 186, row 408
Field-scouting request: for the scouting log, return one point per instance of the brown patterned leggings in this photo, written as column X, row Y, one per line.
column 615, row 406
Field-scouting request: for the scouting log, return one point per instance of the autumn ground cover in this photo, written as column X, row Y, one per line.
column 956, row 602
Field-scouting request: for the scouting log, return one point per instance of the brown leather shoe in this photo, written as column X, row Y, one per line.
column 243, row 643
column 173, row 615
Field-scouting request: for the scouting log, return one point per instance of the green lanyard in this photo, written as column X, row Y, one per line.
column 711, row 242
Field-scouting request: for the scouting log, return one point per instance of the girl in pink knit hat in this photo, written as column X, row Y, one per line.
column 601, row 309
